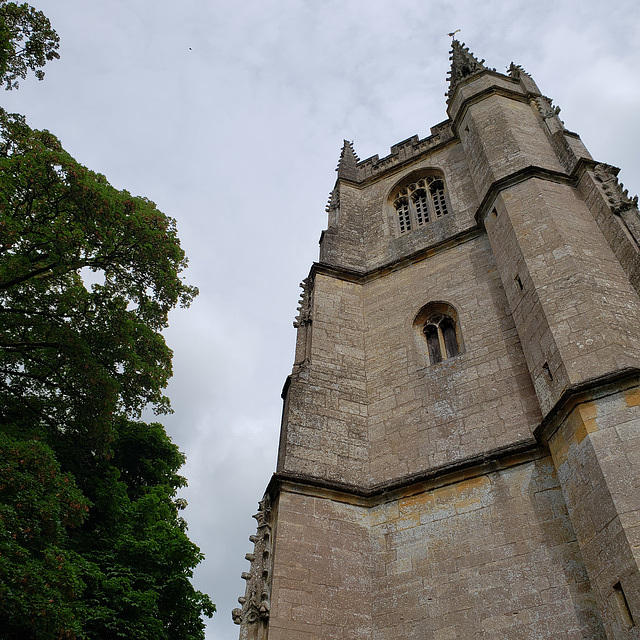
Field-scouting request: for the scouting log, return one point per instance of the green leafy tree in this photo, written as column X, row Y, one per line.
column 27, row 42
column 74, row 355
column 78, row 361
column 136, row 541
column 91, row 541
column 41, row 576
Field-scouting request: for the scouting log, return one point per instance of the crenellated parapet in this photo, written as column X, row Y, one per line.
column 408, row 149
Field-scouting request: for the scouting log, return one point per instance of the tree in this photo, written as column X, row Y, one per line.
column 64, row 343
column 27, row 41
column 41, row 576
column 91, row 541
column 141, row 558
column 77, row 362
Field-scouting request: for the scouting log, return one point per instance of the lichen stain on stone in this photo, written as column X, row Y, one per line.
column 466, row 496
column 417, row 503
column 581, row 422
column 632, row 397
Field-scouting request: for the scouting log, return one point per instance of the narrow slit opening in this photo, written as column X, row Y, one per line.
column 623, row 606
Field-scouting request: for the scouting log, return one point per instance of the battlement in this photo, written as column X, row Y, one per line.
column 405, row 150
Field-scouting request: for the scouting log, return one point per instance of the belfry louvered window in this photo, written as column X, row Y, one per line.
column 404, row 220
column 436, row 189
column 421, row 206
column 420, row 202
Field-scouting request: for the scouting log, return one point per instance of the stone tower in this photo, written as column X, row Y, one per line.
column 460, row 444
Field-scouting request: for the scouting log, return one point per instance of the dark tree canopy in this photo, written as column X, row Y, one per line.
column 88, row 275
column 27, row 42
column 91, row 541
column 74, row 354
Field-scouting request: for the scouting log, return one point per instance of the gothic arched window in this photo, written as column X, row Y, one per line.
column 421, row 206
column 420, row 202
column 437, row 324
column 436, row 189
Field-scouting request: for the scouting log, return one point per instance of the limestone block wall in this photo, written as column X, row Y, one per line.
column 322, row 582
column 423, row 416
column 571, row 301
column 502, row 136
column 325, row 434
column 366, row 236
column 492, row 556
column 617, row 217
column 369, row 408
column 596, row 450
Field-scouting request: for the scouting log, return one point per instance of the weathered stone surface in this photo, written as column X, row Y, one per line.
column 460, row 445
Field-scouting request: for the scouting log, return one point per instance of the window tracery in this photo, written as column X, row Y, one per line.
column 442, row 341
column 437, row 325
column 420, row 202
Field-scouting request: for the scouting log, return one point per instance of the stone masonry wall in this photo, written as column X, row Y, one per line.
column 367, row 236
column 576, row 310
column 322, row 583
column 488, row 557
column 368, row 407
column 422, row 416
column 597, row 453
column 326, row 423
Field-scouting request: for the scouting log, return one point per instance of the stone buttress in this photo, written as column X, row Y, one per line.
column 460, row 443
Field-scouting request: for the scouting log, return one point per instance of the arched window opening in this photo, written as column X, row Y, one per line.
column 433, row 342
column 437, row 324
column 420, row 202
column 449, row 336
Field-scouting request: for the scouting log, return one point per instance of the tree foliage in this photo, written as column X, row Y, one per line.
column 27, row 42
column 91, row 541
column 65, row 344
column 40, row 574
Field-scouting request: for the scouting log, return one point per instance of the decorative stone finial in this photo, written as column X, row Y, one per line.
column 463, row 65
column 515, row 71
column 348, row 162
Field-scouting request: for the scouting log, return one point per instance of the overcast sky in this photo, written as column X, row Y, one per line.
column 230, row 116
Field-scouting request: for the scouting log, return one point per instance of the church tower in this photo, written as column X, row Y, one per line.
column 460, row 443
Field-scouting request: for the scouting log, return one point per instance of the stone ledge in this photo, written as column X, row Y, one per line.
column 505, row 457
column 593, row 389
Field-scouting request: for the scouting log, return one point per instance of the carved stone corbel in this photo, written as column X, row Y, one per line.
column 305, row 305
